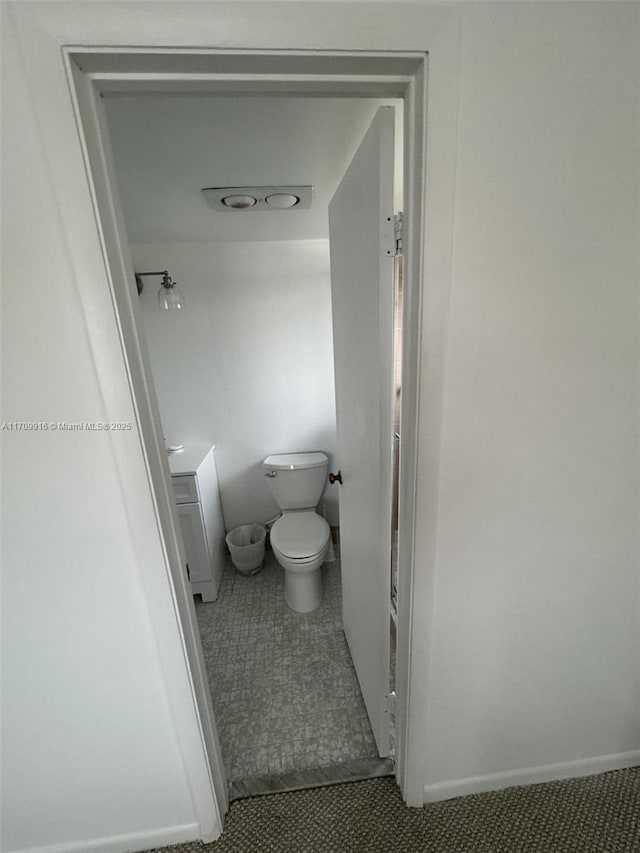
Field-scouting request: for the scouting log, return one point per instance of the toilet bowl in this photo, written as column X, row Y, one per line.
column 300, row 541
column 300, row 537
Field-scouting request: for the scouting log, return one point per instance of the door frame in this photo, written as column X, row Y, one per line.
column 357, row 34
column 327, row 74
column 46, row 33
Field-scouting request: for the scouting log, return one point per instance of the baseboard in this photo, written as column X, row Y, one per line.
column 530, row 776
column 129, row 843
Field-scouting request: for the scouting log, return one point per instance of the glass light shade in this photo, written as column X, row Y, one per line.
column 170, row 298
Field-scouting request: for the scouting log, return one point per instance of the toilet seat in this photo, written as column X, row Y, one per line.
column 300, row 536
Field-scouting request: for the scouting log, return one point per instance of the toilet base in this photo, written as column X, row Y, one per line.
column 303, row 591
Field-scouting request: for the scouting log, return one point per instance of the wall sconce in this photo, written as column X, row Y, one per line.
column 169, row 295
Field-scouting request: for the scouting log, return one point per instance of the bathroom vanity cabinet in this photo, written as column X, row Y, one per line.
column 195, row 487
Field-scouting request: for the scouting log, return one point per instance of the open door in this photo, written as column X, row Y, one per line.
column 361, row 230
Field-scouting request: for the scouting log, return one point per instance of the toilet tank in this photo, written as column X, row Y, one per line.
column 296, row 480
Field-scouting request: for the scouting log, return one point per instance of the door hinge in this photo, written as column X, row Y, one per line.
column 398, row 231
column 392, row 235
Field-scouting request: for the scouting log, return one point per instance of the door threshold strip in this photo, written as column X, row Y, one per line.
column 312, row 777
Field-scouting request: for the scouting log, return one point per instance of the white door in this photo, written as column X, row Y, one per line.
column 362, row 243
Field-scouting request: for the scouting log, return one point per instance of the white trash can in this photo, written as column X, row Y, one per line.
column 246, row 544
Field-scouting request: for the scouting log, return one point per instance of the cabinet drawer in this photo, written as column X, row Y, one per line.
column 185, row 489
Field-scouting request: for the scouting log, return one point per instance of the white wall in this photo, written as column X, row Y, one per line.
column 248, row 364
column 90, row 747
column 536, row 609
column 535, row 660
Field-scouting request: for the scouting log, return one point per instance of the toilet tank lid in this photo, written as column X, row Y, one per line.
column 291, row 461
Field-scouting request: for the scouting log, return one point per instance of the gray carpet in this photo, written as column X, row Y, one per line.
column 597, row 814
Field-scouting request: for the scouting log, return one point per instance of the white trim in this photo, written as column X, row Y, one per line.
column 428, row 234
column 128, row 843
column 208, row 785
column 530, row 776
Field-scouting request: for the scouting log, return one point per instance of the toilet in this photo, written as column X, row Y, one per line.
column 300, row 537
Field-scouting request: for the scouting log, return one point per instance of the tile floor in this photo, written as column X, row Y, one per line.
column 285, row 693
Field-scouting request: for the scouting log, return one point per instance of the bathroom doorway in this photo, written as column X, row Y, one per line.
column 398, row 89
column 276, row 329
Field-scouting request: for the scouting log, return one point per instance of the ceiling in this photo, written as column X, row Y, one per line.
column 167, row 147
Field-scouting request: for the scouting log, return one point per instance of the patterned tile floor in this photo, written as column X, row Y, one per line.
column 285, row 693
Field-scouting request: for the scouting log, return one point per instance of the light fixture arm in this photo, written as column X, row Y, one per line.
column 167, row 281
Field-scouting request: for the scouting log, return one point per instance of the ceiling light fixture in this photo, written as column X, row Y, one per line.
column 228, row 199
column 170, row 296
